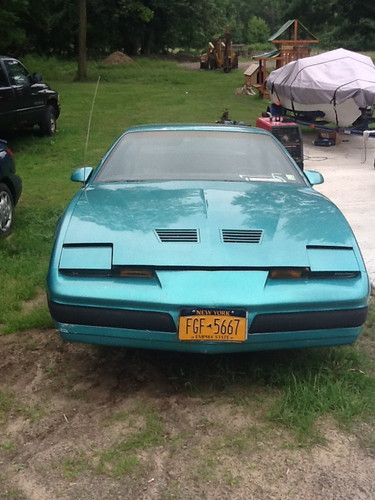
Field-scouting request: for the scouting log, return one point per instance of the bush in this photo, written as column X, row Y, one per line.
column 256, row 48
column 258, row 30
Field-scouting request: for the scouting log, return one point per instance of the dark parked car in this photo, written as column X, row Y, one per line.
column 10, row 189
column 25, row 100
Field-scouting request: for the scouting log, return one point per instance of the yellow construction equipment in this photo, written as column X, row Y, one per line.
column 220, row 54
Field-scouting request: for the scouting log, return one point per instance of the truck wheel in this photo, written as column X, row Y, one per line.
column 211, row 63
column 48, row 123
column 6, row 210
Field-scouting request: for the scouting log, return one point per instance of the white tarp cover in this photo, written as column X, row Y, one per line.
column 328, row 78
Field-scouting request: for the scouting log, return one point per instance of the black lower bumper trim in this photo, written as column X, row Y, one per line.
column 163, row 322
column 114, row 318
column 291, row 322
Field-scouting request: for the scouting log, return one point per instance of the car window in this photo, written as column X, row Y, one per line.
column 3, row 79
column 198, row 155
column 18, row 74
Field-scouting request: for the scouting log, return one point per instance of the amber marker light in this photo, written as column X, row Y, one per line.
column 129, row 272
column 288, row 273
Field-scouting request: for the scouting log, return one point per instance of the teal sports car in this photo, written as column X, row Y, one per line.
column 208, row 239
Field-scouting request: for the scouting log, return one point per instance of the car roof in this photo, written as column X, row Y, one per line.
column 196, row 127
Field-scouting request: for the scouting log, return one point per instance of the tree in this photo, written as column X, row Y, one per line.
column 258, row 30
column 13, row 35
column 346, row 23
column 82, row 34
column 169, row 27
column 54, row 29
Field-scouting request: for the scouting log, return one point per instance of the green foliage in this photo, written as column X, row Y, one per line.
column 258, row 30
column 51, row 25
column 343, row 390
column 301, row 388
column 339, row 24
column 154, row 26
column 343, row 35
column 260, row 47
column 12, row 33
column 36, row 318
column 24, row 256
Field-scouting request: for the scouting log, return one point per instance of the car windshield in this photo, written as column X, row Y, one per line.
column 198, row 155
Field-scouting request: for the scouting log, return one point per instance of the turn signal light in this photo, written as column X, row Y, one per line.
column 133, row 272
column 287, row 273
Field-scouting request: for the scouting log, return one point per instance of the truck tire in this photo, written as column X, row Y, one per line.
column 211, row 63
column 47, row 124
column 6, row 210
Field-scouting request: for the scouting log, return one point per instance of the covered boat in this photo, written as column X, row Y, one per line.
column 338, row 86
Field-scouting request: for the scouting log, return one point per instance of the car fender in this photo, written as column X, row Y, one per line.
column 61, row 228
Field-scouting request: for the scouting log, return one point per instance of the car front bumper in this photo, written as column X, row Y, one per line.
column 258, row 342
column 280, row 314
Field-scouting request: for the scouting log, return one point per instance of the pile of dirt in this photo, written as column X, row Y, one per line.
column 118, row 57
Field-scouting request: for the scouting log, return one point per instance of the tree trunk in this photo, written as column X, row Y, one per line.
column 82, row 48
column 147, row 42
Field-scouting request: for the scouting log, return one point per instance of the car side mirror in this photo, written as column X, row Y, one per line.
column 314, row 177
column 81, row 174
column 36, row 78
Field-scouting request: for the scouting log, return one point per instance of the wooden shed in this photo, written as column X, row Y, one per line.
column 251, row 75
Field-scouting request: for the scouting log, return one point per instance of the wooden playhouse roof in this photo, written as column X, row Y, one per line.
column 251, row 69
column 298, row 32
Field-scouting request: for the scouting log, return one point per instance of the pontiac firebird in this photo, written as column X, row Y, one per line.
column 204, row 239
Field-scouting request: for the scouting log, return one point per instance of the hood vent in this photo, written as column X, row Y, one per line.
column 177, row 235
column 241, row 235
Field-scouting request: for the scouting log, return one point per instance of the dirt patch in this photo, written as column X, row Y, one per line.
column 79, row 421
column 118, row 58
column 195, row 65
column 39, row 300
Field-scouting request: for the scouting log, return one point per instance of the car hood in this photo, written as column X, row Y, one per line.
column 294, row 221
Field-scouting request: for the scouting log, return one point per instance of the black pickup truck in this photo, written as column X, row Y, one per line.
column 25, row 100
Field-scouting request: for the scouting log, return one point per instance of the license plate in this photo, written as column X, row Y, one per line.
column 218, row 325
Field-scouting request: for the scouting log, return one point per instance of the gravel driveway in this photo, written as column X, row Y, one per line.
column 349, row 176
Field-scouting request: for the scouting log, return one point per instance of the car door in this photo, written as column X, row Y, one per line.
column 7, row 100
column 28, row 100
